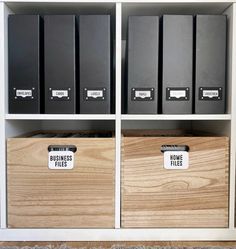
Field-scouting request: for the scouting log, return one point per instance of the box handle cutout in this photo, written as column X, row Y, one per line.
column 165, row 148
column 72, row 148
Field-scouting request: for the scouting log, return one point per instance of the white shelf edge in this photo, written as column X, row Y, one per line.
column 214, row 234
column 231, row 12
column 122, row 1
column 118, row 115
column 113, row 117
column 172, row 1
column 3, row 76
column 177, row 117
column 60, row 117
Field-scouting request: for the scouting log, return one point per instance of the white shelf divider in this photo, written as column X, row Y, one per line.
column 231, row 13
column 60, row 117
column 177, row 117
column 4, row 12
column 118, row 115
column 2, row 121
column 114, row 117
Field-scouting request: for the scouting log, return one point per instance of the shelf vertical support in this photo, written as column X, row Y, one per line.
column 118, row 114
column 232, row 72
column 3, row 80
column 231, row 104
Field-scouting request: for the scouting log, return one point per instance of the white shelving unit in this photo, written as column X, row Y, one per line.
column 14, row 124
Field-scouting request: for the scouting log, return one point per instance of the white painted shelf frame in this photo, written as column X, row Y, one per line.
column 14, row 124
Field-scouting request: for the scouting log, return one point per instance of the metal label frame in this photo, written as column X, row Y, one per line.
column 168, row 94
column 27, row 98
column 135, row 98
column 53, row 98
column 217, row 98
column 89, row 98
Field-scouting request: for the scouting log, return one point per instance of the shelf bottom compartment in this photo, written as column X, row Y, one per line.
column 45, row 190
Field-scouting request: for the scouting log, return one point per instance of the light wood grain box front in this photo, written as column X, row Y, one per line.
column 153, row 196
column 39, row 197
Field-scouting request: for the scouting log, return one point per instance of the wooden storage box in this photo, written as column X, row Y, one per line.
column 153, row 196
column 82, row 197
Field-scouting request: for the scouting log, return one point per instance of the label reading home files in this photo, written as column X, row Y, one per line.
column 176, row 160
column 24, row 62
column 142, row 78
column 95, row 64
column 60, row 64
column 210, row 66
column 177, row 69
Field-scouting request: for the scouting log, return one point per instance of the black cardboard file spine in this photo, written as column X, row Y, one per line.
column 95, row 64
column 142, row 66
column 60, row 64
column 177, row 64
column 210, row 65
column 24, row 64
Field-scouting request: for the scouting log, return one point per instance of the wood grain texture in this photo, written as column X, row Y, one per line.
column 155, row 197
column 78, row 198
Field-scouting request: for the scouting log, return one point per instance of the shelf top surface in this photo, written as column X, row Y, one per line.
column 60, row 117
column 119, row 1
column 113, row 117
column 177, row 117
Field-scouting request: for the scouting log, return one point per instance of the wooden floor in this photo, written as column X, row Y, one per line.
column 110, row 244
